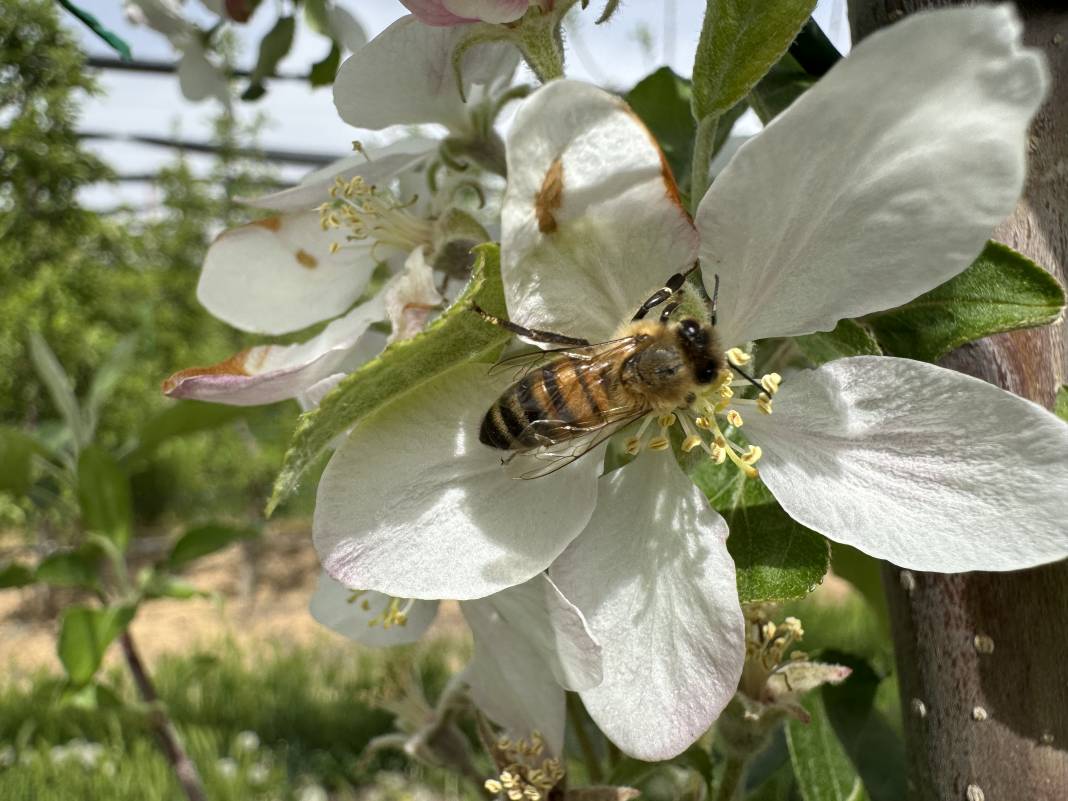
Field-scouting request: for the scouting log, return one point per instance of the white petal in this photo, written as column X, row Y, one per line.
column 404, row 76
column 313, row 395
column 411, row 297
column 415, row 506
column 278, row 274
column 652, row 574
column 270, row 373
column 351, row 613
column 488, row 10
column 198, row 78
column 592, row 223
column 880, row 183
column 529, row 641
column 345, row 29
column 924, row 467
column 314, row 188
column 433, row 12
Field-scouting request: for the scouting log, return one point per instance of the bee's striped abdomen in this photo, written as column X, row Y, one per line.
column 565, row 391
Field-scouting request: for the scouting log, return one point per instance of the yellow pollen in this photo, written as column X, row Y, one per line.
column 752, row 456
column 734, row 418
column 493, row 786
column 725, row 392
column 738, row 357
column 691, row 442
column 633, row 446
column 719, row 454
column 771, row 382
column 666, row 420
column 659, row 444
column 703, row 422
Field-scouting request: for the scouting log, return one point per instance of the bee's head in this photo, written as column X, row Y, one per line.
column 698, row 342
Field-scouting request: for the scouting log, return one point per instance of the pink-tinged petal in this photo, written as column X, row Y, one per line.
column 488, row 10
column 414, row 505
column 652, row 575
column 881, row 182
column 530, row 642
column 270, row 373
column 592, row 221
column 360, row 615
column 404, row 76
column 278, row 275
column 434, row 12
column 411, row 297
column 314, row 189
column 924, row 467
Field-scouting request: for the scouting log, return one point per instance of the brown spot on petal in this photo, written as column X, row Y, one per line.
column 305, row 259
column 270, row 223
column 550, row 197
column 235, row 365
column 670, row 186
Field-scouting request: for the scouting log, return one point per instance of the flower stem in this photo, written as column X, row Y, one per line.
column 589, row 753
column 703, row 146
column 731, row 780
column 184, row 768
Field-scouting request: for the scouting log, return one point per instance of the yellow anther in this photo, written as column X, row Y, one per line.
column 508, row 779
column 691, row 442
column 752, row 455
column 666, row 420
column 725, row 392
column 515, row 794
column 703, row 422
column 633, row 446
column 532, row 793
column 718, row 454
column 493, row 786
column 767, row 631
column 365, row 605
column 771, row 382
column 659, row 444
column 764, row 403
column 335, row 247
column 734, row 418
column 738, row 357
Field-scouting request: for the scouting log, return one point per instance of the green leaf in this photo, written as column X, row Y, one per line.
column 104, row 496
column 17, row 449
column 179, row 420
column 109, row 37
column 740, row 41
column 783, row 84
column 1002, row 290
column 76, row 568
column 1060, row 404
column 273, row 48
column 662, row 100
column 106, row 379
column 821, row 765
column 775, row 557
column 202, row 540
column 875, row 749
column 323, row 72
column 848, row 338
column 160, row 584
column 315, row 16
column 84, row 636
column 14, row 575
column 864, row 573
column 60, row 387
column 456, row 337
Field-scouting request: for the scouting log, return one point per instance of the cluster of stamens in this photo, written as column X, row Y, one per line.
column 370, row 212
column 706, row 413
column 394, row 613
column 526, row 775
column 768, row 650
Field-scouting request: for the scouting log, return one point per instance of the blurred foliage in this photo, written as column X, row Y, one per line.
column 84, row 280
column 263, row 725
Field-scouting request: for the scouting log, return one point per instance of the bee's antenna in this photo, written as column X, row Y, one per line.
column 715, row 297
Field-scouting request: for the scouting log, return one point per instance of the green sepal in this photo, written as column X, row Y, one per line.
column 456, row 337
column 776, row 558
column 821, row 765
column 84, row 636
column 1001, row 291
column 740, row 41
column 849, row 338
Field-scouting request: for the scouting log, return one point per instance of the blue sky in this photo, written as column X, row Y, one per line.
column 644, row 35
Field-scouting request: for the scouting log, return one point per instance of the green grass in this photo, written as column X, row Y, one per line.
column 275, row 725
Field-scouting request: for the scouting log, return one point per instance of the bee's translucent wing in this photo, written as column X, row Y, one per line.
column 523, row 363
column 563, row 443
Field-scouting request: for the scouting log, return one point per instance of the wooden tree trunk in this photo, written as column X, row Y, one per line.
column 982, row 657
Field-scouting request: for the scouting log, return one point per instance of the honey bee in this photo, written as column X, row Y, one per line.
column 586, row 392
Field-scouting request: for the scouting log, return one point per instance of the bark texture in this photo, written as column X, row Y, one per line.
column 982, row 662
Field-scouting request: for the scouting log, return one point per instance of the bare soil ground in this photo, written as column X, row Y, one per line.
column 262, row 590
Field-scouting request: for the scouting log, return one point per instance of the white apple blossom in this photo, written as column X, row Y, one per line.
column 531, row 644
column 459, row 12
column 878, row 184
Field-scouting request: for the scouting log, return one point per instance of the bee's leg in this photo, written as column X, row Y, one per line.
column 533, row 334
column 668, row 310
column 671, row 286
